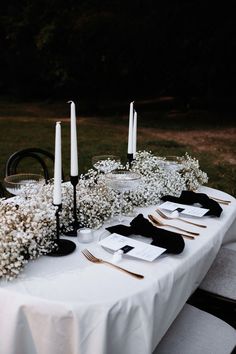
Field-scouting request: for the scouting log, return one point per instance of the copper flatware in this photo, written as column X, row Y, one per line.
column 160, row 223
column 164, row 216
column 94, row 259
column 220, row 201
column 157, row 225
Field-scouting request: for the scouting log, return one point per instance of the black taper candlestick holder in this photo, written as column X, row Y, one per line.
column 130, row 158
column 64, row 247
column 75, row 224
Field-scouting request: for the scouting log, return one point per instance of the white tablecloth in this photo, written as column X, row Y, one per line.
column 70, row 306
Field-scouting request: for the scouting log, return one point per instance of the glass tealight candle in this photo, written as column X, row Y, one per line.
column 85, row 235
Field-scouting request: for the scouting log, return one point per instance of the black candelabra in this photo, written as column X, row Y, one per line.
column 63, row 247
column 130, row 158
column 75, row 224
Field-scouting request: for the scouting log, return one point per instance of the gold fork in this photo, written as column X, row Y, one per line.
column 151, row 218
column 164, row 216
column 221, row 201
column 218, row 200
column 160, row 223
column 94, row 259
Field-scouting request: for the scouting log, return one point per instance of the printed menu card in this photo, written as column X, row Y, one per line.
column 184, row 209
column 131, row 247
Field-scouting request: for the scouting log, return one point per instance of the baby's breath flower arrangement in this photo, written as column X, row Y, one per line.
column 193, row 176
column 28, row 223
column 28, row 227
column 158, row 178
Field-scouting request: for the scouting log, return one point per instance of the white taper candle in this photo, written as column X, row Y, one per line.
column 135, row 134
column 130, row 136
column 57, row 166
column 73, row 141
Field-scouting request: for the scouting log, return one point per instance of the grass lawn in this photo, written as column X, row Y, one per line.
column 165, row 131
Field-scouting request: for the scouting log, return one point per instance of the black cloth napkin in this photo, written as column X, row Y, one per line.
column 174, row 243
column 189, row 197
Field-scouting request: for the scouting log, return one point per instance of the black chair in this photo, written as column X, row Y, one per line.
column 40, row 155
column 2, row 191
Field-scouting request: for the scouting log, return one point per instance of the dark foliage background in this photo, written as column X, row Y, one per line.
column 118, row 49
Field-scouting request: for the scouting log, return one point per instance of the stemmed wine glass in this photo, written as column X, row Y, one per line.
column 171, row 163
column 122, row 181
column 106, row 163
column 15, row 184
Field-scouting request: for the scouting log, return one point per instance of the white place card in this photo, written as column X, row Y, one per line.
column 138, row 249
column 184, row 209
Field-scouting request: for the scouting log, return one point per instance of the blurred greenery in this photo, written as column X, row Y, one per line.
column 118, row 49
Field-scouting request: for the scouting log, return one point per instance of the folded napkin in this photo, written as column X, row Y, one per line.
column 188, row 197
column 174, row 243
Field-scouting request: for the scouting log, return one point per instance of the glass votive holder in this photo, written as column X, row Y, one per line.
column 85, row 235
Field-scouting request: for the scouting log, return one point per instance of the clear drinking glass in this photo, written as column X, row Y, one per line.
column 14, row 183
column 122, row 181
column 106, row 163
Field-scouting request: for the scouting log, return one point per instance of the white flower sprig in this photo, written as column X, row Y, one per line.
column 28, row 224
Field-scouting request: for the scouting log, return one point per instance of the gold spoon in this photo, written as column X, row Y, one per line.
column 157, row 221
column 164, row 216
column 157, row 225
